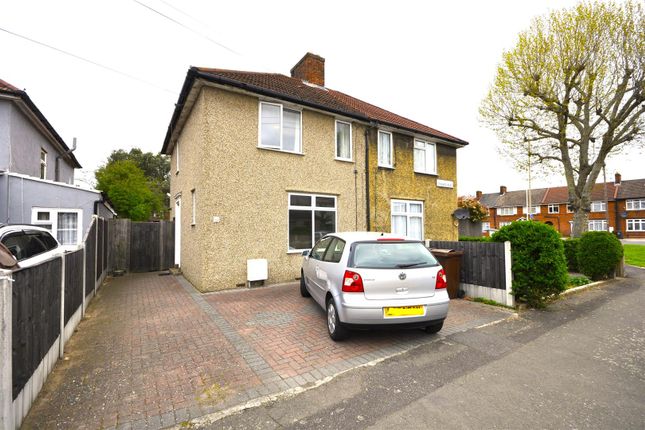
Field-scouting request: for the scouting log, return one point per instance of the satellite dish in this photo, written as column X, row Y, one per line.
column 461, row 213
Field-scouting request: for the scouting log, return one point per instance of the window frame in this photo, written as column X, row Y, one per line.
column 513, row 210
column 641, row 205
column 351, row 141
column 53, row 221
column 313, row 208
column 176, row 157
column 504, row 223
column 43, row 163
column 633, row 222
column 603, row 225
column 603, row 206
column 485, row 226
column 193, row 205
column 425, row 149
column 534, row 212
column 552, row 206
column 408, row 215
column 282, row 108
column 378, row 149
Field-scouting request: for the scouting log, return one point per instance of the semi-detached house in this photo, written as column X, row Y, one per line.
column 263, row 165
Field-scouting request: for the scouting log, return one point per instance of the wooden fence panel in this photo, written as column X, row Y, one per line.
column 145, row 246
column 483, row 263
column 99, row 248
column 119, row 244
column 73, row 283
column 36, row 305
column 168, row 245
column 90, row 272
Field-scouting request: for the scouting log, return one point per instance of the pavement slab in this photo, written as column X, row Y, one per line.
column 153, row 352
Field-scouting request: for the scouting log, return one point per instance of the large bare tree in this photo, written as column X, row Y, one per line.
column 571, row 92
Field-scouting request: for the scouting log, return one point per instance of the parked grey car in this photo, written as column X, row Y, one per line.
column 367, row 280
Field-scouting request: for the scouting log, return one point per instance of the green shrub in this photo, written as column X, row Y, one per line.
column 577, row 281
column 474, row 239
column 539, row 264
column 571, row 247
column 598, row 254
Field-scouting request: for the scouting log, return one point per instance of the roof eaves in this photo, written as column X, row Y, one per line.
column 24, row 97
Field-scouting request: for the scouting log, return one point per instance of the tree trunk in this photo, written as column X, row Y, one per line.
column 580, row 222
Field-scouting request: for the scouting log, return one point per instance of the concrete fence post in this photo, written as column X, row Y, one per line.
column 84, row 248
column 96, row 250
column 508, row 265
column 6, row 349
column 61, row 344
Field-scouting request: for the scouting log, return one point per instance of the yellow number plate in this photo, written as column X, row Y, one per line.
column 404, row 311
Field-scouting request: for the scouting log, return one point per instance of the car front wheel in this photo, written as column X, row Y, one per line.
column 334, row 326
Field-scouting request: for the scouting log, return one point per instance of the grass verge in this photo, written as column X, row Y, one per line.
column 635, row 255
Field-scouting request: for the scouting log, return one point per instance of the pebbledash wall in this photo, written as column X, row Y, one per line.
column 247, row 188
column 402, row 182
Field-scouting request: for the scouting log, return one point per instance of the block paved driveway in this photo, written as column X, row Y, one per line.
column 152, row 352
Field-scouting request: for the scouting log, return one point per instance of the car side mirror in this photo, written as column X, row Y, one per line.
column 305, row 253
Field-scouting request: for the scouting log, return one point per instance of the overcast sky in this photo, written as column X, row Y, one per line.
column 430, row 61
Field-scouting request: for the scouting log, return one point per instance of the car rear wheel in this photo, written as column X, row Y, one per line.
column 303, row 286
column 434, row 328
column 334, row 326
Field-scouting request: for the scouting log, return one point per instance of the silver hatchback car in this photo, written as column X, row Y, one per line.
column 368, row 280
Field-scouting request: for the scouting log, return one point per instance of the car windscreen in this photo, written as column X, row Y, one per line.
column 391, row 255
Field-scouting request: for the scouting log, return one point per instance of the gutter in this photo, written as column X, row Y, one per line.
column 194, row 73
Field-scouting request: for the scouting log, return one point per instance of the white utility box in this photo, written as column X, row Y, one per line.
column 257, row 269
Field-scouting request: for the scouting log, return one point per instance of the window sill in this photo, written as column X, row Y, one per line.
column 346, row 160
column 266, row 148
column 385, row 167
column 427, row 173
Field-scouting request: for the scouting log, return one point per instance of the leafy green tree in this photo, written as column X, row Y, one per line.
column 571, row 92
column 156, row 167
column 129, row 190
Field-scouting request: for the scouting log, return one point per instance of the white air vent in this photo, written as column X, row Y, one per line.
column 257, row 269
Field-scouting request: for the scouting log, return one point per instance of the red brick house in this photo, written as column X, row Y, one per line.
column 623, row 211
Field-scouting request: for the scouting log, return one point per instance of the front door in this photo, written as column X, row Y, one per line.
column 178, row 231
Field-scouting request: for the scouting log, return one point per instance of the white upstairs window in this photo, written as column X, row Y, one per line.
column 343, row 141
column 385, row 149
column 280, row 128
column 425, row 157
column 598, row 206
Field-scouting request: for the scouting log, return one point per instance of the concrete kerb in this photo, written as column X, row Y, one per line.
column 585, row 287
column 329, row 373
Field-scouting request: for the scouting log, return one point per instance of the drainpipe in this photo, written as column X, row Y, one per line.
column 367, row 178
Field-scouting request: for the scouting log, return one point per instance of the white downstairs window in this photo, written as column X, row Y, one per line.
column 66, row 225
column 407, row 218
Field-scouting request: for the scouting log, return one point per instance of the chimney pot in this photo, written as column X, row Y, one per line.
column 478, row 194
column 618, row 178
column 502, row 189
column 310, row 68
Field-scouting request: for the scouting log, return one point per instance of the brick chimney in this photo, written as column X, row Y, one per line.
column 478, row 194
column 617, row 179
column 310, row 68
column 502, row 189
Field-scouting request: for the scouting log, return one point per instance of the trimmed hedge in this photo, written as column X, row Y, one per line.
column 598, row 254
column 571, row 247
column 539, row 263
column 474, row 239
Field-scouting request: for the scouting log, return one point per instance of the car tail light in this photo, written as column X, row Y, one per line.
column 442, row 281
column 352, row 282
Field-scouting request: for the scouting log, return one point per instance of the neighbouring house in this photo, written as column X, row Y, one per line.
column 617, row 206
column 37, row 173
column 264, row 164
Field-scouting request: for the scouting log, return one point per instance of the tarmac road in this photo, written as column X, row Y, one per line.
column 578, row 364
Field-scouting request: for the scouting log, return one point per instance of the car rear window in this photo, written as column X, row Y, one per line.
column 391, row 255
